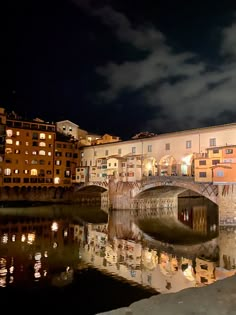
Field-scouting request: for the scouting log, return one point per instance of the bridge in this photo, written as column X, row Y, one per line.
column 161, row 192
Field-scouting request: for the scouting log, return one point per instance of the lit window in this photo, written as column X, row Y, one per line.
column 49, row 153
column 8, row 141
column 7, row 171
column 42, row 144
column 49, row 136
column 17, row 142
column 133, row 150
column 16, row 171
column 229, row 151
column 9, row 133
column 56, row 180
column 8, row 150
column 26, row 152
column 42, row 152
column 17, row 151
column 26, row 171
column 42, row 136
column 149, row 148
column 34, row 172
column 34, row 162
column 34, row 152
column 27, row 143
column 18, row 133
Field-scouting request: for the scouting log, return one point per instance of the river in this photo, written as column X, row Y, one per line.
column 68, row 258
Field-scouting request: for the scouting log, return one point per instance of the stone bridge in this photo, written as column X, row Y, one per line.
column 161, row 192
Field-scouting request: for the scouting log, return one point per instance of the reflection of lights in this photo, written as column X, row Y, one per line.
column 11, row 279
column 54, row 245
column 65, row 233
column 45, row 254
column 54, row 226
column 37, row 256
column 31, row 238
column 11, row 269
column 23, row 238
column 4, row 238
column 13, row 238
column 188, row 273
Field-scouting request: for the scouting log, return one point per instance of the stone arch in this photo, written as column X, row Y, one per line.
column 167, row 165
column 186, row 165
column 149, row 166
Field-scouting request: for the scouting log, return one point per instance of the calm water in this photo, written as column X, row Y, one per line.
column 72, row 259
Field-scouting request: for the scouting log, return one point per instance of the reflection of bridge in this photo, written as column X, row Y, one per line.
column 126, row 195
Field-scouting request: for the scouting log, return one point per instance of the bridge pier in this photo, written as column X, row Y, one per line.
column 226, row 201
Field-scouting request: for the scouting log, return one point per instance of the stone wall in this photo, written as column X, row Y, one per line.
column 227, row 204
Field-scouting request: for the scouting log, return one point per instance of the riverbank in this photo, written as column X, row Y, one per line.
column 218, row 298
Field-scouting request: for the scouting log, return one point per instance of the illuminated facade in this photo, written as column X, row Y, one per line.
column 166, row 154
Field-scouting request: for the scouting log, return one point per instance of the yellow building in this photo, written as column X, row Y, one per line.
column 66, row 157
column 28, row 153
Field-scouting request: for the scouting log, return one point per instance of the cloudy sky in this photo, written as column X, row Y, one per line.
column 121, row 67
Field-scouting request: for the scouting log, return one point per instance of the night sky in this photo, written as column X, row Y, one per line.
column 120, row 67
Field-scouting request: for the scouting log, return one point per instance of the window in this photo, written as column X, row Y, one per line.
column 57, row 162
column 35, row 136
column 42, row 136
column 58, row 145
column 8, row 150
column 149, row 148
column 34, row 172
column 18, row 133
column 188, row 144
column 34, row 162
column 133, row 150
column 42, row 152
column 42, row 144
column 7, row 171
column 202, row 174
column 212, row 142
column 27, row 143
column 214, row 162
column 119, row 151
column 16, row 171
column 220, row 173
column 34, row 152
column 57, row 171
column 95, row 153
column 8, row 141
column 229, row 151
column 106, row 152
column 35, row 144
column 41, row 162
column 167, row 146
column 70, row 128
column 64, row 128
column 18, row 142
column 202, row 162
column 215, row 151
column 26, row 152
column 17, row 151
column 49, row 153
column 49, row 136
column 9, row 133
column 26, row 171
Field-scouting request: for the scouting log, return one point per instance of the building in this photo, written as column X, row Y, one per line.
column 177, row 153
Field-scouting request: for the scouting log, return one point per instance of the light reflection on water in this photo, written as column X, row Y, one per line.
column 46, row 248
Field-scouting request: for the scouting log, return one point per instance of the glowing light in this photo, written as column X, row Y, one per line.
column 31, row 238
column 37, row 256
column 56, row 180
column 54, row 226
column 23, row 238
column 4, row 238
column 187, row 159
column 54, row 245
column 13, row 238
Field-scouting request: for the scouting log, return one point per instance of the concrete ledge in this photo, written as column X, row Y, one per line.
column 215, row 299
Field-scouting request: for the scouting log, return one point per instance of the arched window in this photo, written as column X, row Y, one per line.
column 34, row 172
column 42, row 152
column 8, row 150
column 42, row 144
column 42, row 136
column 34, row 162
column 7, row 171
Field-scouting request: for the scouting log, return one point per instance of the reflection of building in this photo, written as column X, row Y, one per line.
column 205, row 271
